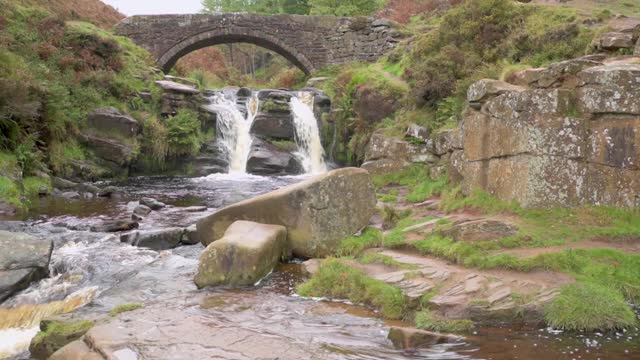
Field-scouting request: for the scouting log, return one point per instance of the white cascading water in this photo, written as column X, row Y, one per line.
column 233, row 129
column 310, row 148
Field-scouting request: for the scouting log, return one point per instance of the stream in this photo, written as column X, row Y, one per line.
column 93, row 272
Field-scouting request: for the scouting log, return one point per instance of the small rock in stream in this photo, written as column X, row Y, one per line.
column 152, row 203
column 410, row 338
column 109, row 191
column 190, row 236
column 115, row 226
column 163, row 239
column 140, row 212
column 72, row 195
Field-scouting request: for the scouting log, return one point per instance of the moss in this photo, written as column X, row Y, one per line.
column 274, row 106
column 54, row 335
column 387, row 198
column 122, row 308
column 588, row 307
column 284, row 145
column 335, row 279
column 354, row 245
column 427, row 321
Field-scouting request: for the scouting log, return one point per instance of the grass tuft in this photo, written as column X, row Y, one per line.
column 336, row 279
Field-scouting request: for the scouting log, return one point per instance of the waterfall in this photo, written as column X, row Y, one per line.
column 233, row 129
column 310, row 148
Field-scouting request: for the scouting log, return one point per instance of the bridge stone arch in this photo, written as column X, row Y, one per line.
column 309, row 42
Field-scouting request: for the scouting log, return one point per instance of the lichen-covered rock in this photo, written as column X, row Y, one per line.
column 485, row 89
column 385, row 154
column 246, row 253
column 531, row 180
column 318, row 213
column 23, row 259
column 610, row 89
column 616, row 40
column 561, row 74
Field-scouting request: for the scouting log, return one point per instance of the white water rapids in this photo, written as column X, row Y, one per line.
column 234, row 130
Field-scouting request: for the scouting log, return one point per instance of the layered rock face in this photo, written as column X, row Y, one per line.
column 24, row 259
column 247, row 252
column 566, row 135
column 318, row 213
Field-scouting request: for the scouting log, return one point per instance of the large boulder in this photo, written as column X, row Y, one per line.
column 109, row 120
column 23, row 259
column 267, row 159
column 247, row 252
column 111, row 150
column 318, row 213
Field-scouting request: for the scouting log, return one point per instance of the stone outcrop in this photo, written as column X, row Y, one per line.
column 318, row 213
column 110, row 120
column 246, row 253
column 386, row 154
column 570, row 137
column 23, row 259
column 309, row 42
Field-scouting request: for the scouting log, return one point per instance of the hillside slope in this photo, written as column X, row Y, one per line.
column 93, row 11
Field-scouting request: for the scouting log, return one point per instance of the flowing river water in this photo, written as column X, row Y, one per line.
column 93, row 272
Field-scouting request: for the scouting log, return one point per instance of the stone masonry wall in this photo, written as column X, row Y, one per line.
column 310, row 42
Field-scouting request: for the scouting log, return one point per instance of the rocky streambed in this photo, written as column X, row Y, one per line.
column 94, row 273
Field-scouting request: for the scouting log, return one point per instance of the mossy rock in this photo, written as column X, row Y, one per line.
column 55, row 334
column 276, row 106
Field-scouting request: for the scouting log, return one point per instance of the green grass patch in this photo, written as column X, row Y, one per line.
column 387, row 198
column 427, row 321
column 32, row 186
column 9, row 191
column 336, row 279
column 354, row 245
column 122, row 308
column 588, row 307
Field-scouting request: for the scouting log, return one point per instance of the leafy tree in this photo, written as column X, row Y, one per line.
column 344, row 7
column 257, row 6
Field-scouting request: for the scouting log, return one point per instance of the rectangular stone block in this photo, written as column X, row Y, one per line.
column 532, row 181
column 488, row 137
column 615, row 141
column 612, row 186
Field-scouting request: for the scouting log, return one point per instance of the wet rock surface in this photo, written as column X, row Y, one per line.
column 246, row 253
column 318, row 213
column 23, row 259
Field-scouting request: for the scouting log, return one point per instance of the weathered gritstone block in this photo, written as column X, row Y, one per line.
column 559, row 146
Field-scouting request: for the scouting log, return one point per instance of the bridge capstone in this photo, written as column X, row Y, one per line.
column 309, row 42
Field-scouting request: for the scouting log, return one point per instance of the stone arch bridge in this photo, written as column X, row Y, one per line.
column 309, row 42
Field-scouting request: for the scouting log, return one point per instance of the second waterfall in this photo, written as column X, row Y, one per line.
column 268, row 132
